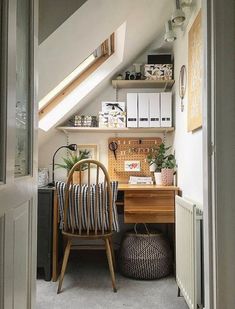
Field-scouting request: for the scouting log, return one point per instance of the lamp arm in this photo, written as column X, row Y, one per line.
column 53, row 164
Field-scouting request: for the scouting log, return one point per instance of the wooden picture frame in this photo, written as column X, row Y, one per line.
column 195, row 74
column 93, row 148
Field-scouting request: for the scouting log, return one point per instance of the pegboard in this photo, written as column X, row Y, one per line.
column 130, row 149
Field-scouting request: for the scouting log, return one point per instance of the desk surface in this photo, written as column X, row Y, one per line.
column 127, row 187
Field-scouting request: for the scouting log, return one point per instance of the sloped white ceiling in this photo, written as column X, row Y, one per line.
column 75, row 39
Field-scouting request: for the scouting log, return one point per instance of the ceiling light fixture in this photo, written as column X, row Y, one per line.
column 178, row 17
column 169, row 35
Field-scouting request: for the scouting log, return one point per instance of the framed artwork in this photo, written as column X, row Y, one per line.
column 91, row 148
column 132, row 166
column 195, row 75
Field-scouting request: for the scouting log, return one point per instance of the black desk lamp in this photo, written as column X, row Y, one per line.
column 72, row 147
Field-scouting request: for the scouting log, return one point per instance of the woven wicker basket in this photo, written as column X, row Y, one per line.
column 145, row 256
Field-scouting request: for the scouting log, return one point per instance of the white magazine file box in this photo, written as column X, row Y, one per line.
column 154, row 110
column 132, row 110
column 143, row 104
column 166, row 109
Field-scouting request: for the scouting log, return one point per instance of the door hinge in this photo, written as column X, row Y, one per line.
column 212, row 149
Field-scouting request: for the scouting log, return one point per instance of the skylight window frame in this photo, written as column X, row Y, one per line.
column 101, row 54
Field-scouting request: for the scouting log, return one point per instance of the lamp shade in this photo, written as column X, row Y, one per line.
column 178, row 17
column 72, row 147
column 169, row 34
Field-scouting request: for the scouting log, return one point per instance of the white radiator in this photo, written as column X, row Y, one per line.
column 188, row 227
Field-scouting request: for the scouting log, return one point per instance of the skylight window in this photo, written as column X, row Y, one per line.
column 79, row 69
column 108, row 56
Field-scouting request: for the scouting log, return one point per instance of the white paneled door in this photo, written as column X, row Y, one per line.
column 18, row 154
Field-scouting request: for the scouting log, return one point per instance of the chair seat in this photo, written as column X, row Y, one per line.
column 91, row 235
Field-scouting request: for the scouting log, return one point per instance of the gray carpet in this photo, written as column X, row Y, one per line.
column 87, row 285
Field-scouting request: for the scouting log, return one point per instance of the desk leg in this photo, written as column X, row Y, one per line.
column 55, row 239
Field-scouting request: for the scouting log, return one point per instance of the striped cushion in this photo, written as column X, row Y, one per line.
column 75, row 196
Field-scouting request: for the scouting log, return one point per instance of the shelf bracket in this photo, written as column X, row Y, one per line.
column 165, row 88
column 116, row 93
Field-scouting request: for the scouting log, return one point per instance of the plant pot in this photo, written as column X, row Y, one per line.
column 76, row 177
column 167, row 176
column 158, row 178
column 152, row 167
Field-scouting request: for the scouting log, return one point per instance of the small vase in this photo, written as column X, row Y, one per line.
column 152, row 167
column 167, row 176
column 158, row 178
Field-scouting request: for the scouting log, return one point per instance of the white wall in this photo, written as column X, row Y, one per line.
column 188, row 145
column 53, row 13
column 89, row 26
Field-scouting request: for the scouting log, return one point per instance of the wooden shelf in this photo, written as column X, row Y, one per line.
column 160, row 84
column 115, row 130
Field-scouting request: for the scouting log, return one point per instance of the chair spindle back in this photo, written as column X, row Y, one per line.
column 106, row 192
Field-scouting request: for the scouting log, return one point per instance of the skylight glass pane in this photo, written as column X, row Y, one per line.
column 82, row 66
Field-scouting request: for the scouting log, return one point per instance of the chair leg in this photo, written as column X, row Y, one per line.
column 113, row 252
column 64, row 265
column 110, row 262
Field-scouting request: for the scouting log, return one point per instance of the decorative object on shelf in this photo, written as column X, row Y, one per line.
column 117, row 119
column 43, row 177
column 113, row 106
column 119, row 77
column 85, row 121
column 160, row 58
column 182, row 85
column 195, row 75
column 113, row 115
column 158, row 71
column 132, row 75
column 72, row 147
column 137, row 67
column 103, row 119
column 132, row 166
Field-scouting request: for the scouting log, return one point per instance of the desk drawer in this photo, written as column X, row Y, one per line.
column 149, row 206
column 141, row 199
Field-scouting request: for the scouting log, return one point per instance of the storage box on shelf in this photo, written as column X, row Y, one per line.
column 149, row 109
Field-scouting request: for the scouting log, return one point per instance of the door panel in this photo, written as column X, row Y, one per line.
column 1, row 259
column 21, row 255
column 18, row 190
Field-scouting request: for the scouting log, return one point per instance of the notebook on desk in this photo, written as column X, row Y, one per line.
column 140, row 180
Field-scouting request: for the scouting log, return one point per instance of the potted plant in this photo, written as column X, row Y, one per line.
column 168, row 169
column 73, row 159
column 156, row 158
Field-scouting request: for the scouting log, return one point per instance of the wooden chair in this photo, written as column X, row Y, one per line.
column 96, row 233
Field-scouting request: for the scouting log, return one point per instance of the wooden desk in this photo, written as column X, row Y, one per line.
column 142, row 204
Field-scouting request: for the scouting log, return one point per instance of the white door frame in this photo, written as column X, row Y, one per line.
column 18, row 196
column 219, row 152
